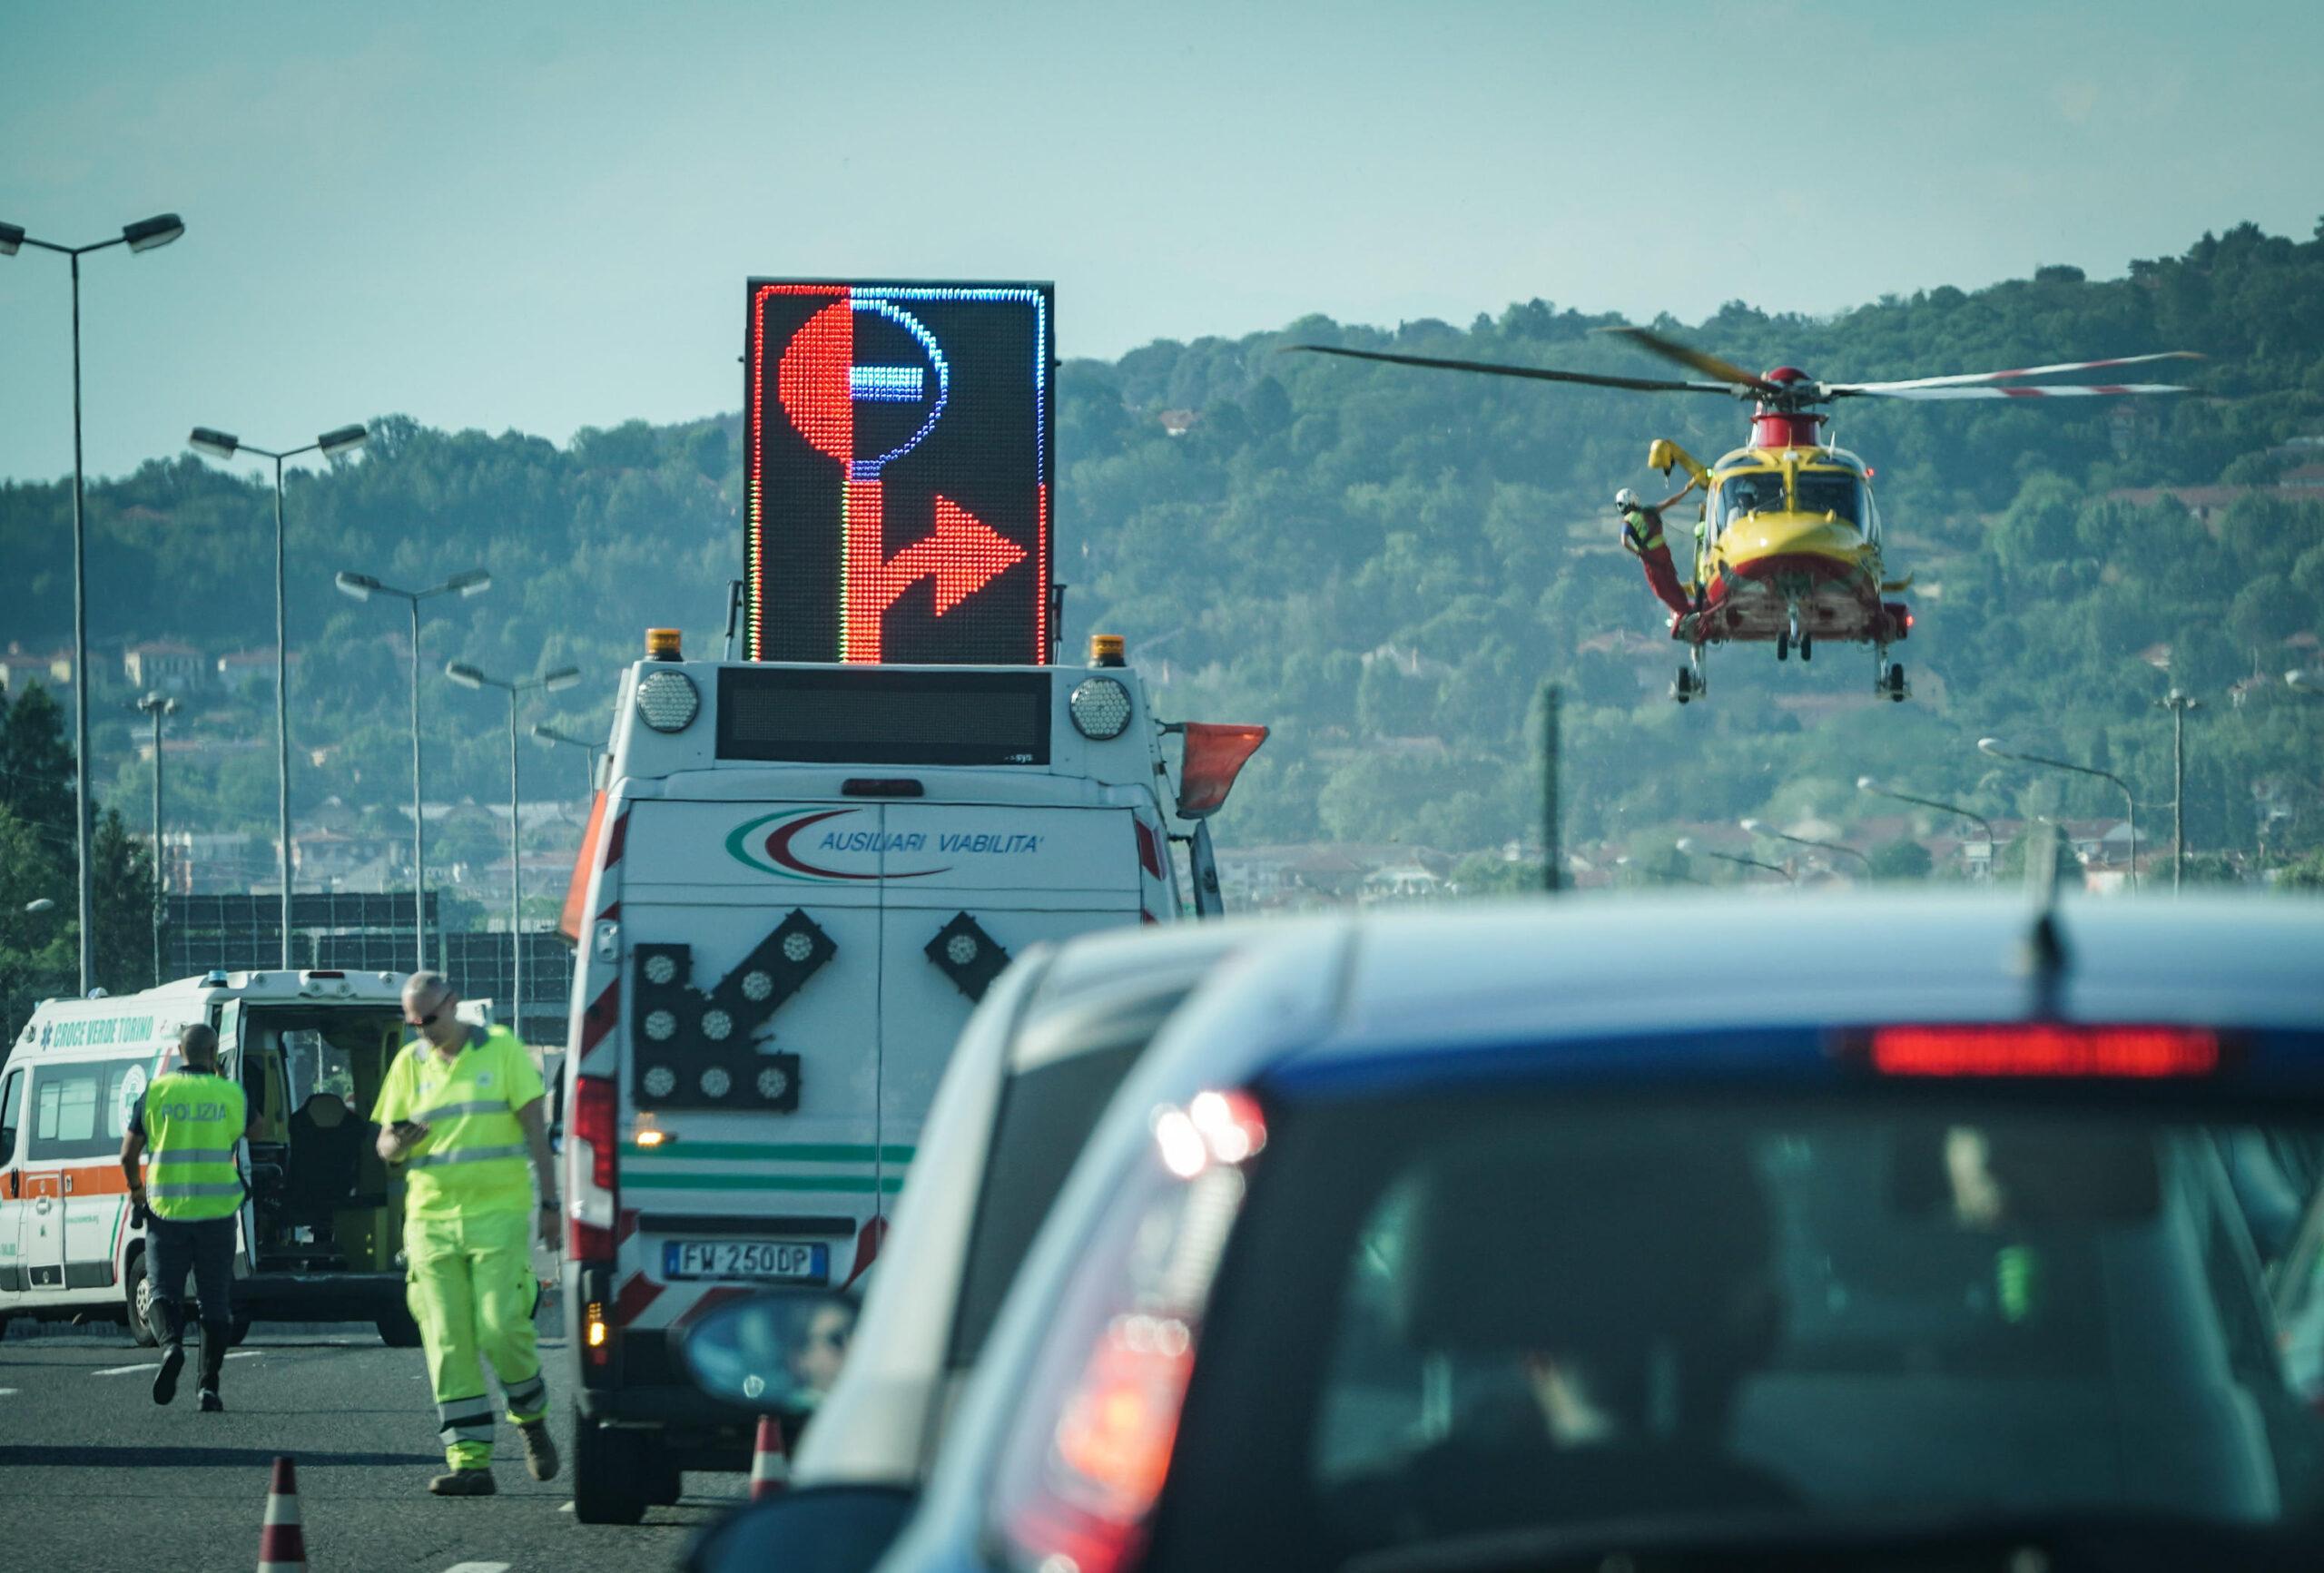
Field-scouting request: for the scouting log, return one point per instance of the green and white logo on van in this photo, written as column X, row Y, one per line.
column 776, row 853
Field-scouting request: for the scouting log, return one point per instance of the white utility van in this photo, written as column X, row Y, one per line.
column 322, row 1222
column 798, row 881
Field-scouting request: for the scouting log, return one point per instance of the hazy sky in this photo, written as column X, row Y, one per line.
column 541, row 215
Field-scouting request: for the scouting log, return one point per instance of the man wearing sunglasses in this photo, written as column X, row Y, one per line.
column 461, row 1112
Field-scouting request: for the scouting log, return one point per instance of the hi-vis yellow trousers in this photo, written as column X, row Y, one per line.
column 470, row 1288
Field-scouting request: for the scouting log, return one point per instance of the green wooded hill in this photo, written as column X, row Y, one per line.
column 1384, row 564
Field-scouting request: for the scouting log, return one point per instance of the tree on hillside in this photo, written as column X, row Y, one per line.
column 124, row 899
column 1904, row 860
column 35, row 765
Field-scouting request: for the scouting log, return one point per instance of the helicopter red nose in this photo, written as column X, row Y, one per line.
column 1786, row 374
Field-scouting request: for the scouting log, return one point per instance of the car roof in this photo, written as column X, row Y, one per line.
column 1109, row 971
column 1381, row 985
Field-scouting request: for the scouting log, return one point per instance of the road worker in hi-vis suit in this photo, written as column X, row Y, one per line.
column 462, row 1111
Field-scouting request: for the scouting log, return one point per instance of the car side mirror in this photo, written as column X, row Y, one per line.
column 776, row 1353
column 829, row 1529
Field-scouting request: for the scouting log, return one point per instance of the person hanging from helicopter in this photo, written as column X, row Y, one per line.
column 1643, row 538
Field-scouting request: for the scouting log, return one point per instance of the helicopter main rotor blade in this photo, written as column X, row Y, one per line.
column 2102, row 390
column 1970, row 378
column 1686, row 355
column 1539, row 374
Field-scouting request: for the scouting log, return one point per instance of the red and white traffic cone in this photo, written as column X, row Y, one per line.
column 770, row 1465
column 282, row 1543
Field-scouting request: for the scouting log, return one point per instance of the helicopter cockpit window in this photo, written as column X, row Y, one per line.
column 1832, row 492
column 1754, row 492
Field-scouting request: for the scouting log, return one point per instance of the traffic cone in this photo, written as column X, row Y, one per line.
column 770, row 1465
column 282, row 1543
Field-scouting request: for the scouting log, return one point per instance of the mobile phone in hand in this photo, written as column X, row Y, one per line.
column 408, row 1131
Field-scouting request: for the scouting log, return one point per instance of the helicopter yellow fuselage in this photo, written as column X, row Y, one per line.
column 1788, row 549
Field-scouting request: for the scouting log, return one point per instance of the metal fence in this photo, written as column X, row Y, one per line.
column 369, row 932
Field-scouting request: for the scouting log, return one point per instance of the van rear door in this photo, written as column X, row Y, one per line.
column 229, row 1065
column 751, row 976
column 968, row 887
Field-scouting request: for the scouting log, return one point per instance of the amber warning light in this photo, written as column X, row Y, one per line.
column 2044, row 1050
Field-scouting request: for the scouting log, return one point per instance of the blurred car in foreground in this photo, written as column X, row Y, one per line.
column 1896, row 1233
column 1032, row 1072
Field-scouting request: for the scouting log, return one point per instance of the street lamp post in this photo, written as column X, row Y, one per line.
column 1686, row 844
column 1755, row 828
column 469, row 676
column 145, row 235
column 1865, row 784
column 362, row 587
column 2178, row 704
column 156, row 706
column 549, row 737
column 1993, row 746
column 331, row 444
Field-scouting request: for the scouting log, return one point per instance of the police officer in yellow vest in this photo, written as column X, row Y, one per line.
column 190, row 1121
column 462, row 1111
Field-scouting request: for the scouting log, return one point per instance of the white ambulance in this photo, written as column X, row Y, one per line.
column 797, row 882
column 322, row 1223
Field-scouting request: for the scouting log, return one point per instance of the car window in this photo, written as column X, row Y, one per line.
column 1046, row 1115
column 1461, row 1320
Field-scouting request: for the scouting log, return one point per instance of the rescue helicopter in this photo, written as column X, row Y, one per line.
column 1788, row 537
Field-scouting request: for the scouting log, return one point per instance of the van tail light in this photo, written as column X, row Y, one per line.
column 590, row 1173
column 2054, row 1049
column 587, row 1242
column 1089, row 1451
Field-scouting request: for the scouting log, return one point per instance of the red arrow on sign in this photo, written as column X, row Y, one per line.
column 963, row 555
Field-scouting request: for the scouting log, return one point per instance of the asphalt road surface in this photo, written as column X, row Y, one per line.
column 94, row 1476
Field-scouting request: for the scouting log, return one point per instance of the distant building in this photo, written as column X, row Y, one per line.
column 1178, row 422
column 20, row 667
column 163, row 664
column 244, row 668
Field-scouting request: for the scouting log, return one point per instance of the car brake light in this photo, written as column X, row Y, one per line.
column 1095, row 1428
column 2044, row 1050
column 593, row 1122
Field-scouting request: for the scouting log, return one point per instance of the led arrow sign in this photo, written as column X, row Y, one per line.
column 896, row 482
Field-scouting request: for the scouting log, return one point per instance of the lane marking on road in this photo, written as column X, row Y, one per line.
column 561, row 1507
column 11, row 1392
column 156, row 1365
column 477, row 1568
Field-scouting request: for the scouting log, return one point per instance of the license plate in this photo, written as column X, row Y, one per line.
column 773, row 1261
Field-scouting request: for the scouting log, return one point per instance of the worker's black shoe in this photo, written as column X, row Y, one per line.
column 464, row 1483
column 165, row 1380
column 540, row 1450
column 211, row 1402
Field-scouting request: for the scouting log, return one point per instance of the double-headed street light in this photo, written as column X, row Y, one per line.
column 1754, row 826
column 144, row 235
column 156, row 706
column 1865, row 784
column 1686, row 844
column 362, row 587
column 330, row 445
column 469, row 676
column 1994, row 747
column 549, row 737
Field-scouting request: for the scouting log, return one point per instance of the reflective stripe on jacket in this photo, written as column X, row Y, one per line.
column 194, row 1123
column 473, row 1157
